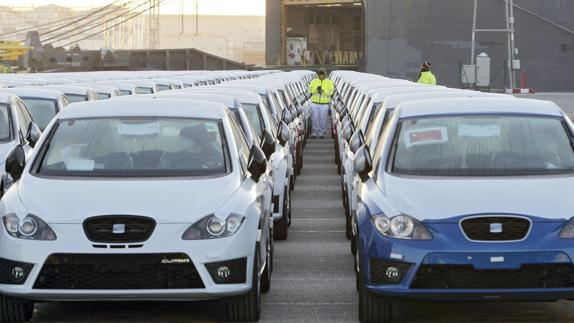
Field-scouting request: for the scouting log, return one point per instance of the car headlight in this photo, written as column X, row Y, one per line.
column 31, row 228
column 567, row 231
column 212, row 227
column 401, row 227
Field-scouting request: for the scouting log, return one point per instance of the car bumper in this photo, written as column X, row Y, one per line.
column 72, row 241
column 451, row 269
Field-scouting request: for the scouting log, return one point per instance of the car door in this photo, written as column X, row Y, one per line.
column 262, row 186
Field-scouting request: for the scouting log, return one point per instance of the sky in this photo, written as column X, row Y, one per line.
column 206, row 7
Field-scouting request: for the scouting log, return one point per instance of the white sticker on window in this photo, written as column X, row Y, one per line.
column 426, row 136
column 211, row 127
column 78, row 165
column 138, row 129
column 477, row 130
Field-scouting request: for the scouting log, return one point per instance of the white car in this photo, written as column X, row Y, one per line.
column 157, row 199
column 43, row 104
column 74, row 93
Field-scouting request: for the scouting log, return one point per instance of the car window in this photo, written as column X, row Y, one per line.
column 125, row 92
column 104, row 96
column 5, row 123
column 23, row 118
column 144, row 90
column 43, row 110
column 135, row 147
column 252, row 112
column 241, row 142
column 163, row 87
column 77, row 97
column 483, row 145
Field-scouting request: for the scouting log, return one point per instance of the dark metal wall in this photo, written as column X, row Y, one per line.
column 403, row 33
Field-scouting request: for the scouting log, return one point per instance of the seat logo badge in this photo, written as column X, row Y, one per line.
column 496, row 228
column 119, row 228
column 176, row 261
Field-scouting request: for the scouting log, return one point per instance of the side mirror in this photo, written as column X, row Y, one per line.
column 287, row 117
column 33, row 134
column 363, row 164
column 267, row 143
column 356, row 141
column 347, row 131
column 257, row 165
column 283, row 133
column 2, row 186
column 15, row 162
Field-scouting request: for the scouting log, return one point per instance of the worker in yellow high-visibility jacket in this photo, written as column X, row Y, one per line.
column 426, row 76
column 321, row 90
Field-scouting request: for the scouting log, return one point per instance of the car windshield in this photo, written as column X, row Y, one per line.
column 5, row 124
column 104, row 96
column 163, row 87
column 252, row 112
column 125, row 92
column 43, row 110
column 76, row 97
column 483, row 145
column 144, row 90
column 135, row 147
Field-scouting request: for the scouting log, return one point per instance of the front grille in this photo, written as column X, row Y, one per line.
column 495, row 228
column 115, row 271
column 119, row 228
column 467, row 277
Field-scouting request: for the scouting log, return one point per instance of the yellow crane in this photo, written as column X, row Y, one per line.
column 11, row 50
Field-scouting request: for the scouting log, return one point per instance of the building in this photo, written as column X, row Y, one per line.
column 398, row 35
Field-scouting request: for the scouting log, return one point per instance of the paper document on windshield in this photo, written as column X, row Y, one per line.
column 138, row 129
column 426, row 136
column 478, row 130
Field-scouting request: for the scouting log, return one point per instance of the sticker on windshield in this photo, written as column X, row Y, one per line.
column 138, row 129
column 79, row 165
column 211, row 127
column 426, row 136
column 478, row 130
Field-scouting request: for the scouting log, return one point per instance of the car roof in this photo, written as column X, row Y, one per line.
column 242, row 95
column 153, row 107
column 70, row 89
column 29, row 92
column 228, row 100
column 477, row 105
column 395, row 99
column 6, row 97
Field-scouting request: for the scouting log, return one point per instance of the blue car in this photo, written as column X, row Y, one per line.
column 466, row 199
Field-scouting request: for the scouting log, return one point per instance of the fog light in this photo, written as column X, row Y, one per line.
column 393, row 273
column 18, row 273
column 223, row 272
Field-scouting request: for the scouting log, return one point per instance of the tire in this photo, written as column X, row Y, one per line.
column 266, row 275
column 281, row 227
column 372, row 309
column 246, row 308
column 15, row 310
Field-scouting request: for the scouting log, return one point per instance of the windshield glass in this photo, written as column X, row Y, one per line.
column 483, row 145
column 43, row 110
column 76, row 97
column 144, row 90
column 135, row 147
column 125, row 92
column 104, row 96
column 5, row 123
column 163, row 87
column 252, row 112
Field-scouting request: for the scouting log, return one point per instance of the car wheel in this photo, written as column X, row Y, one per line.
column 281, row 227
column 372, row 308
column 15, row 310
column 266, row 275
column 246, row 308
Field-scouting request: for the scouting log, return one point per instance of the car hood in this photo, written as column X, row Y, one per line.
column 167, row 201
column 434, row 198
